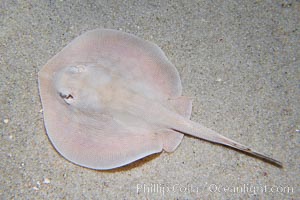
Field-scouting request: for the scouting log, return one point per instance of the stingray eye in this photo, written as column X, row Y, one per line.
column 77, row 69
column 68, row 98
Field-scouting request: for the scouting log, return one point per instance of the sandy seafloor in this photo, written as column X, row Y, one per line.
column 239, row 60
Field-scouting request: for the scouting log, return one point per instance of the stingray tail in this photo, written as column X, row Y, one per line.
column 199, row 131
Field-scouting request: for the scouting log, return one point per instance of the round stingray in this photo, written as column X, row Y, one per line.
column 85, row 132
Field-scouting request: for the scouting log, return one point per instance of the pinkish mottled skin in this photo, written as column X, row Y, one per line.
column 110, row 98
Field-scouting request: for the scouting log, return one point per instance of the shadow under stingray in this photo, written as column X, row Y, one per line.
column 135, row 164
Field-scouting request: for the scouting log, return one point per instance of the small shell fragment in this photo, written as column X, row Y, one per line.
column 46, row 180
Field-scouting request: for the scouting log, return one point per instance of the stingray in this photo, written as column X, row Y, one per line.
column 110, row 98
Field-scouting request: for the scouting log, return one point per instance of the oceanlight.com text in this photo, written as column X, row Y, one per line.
column 212, row 188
